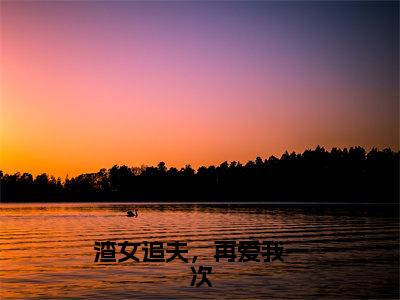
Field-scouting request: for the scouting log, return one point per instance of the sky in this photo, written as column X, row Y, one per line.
column 90, row 84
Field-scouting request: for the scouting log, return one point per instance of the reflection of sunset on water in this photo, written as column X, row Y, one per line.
column 47, row 250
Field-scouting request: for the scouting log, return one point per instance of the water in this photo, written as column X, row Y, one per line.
column 330, row 251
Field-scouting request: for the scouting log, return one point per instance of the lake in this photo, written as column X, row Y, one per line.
column 329, row 251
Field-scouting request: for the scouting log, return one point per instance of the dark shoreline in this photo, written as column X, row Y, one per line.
column 312, row 176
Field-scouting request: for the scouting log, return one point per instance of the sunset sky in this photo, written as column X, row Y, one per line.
column 90, row 84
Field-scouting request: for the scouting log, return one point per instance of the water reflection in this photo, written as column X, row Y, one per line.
column 330, row 250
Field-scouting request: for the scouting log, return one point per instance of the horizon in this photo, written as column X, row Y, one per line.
column 196, row 168
column 157, row 149
column 92, row 84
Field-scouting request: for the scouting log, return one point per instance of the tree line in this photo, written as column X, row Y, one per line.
column 339, row 175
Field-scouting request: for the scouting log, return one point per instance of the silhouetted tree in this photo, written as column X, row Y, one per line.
column 314, row 175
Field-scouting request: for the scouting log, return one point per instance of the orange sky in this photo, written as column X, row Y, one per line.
column 90, row 85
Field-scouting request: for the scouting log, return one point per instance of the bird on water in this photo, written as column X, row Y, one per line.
column 132, row 214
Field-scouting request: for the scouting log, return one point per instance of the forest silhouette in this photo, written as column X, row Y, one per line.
column 339, row 175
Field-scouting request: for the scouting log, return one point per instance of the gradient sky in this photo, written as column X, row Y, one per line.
column 89, row 84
